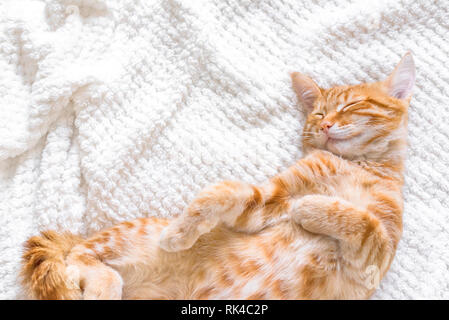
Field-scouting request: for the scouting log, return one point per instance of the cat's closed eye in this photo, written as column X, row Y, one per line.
column 344, row 108
column 318, row 115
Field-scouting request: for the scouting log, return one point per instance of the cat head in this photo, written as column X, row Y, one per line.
column 364, row 121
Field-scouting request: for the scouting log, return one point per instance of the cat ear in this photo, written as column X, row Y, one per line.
column 401, row 81
column 306, row 90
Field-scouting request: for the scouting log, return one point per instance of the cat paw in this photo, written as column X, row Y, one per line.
column 104, row 284
column 306, row 208
column 177, row 237
column 182, row 233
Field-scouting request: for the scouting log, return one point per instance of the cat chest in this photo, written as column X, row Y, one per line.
column 353, row 189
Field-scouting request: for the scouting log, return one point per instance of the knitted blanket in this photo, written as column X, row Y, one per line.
column 111, row 110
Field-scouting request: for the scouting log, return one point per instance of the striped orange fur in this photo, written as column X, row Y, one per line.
column 319, row 230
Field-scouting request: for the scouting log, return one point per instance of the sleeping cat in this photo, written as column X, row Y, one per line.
column 326, row 228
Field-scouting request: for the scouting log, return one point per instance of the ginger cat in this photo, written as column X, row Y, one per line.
column 319, row 230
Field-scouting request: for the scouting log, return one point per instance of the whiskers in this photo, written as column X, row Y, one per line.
column 347, row 130
column 310, row 134
column 337, row 132
column 342, row 132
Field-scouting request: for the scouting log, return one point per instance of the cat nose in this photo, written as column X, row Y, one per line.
column 326, row 125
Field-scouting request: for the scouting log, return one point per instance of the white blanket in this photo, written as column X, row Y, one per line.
column 111, row 110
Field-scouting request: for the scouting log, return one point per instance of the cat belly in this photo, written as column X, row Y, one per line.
column 299, row 265
column 284, row 262
column 281, row 262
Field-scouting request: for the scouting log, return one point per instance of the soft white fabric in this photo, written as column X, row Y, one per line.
column 111, row 110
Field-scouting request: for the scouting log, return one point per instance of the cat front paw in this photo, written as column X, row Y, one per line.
column 182, row 233
column 178, row 236
column 306, row 208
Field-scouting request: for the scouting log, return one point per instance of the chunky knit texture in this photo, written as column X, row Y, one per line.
column 111, row 110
